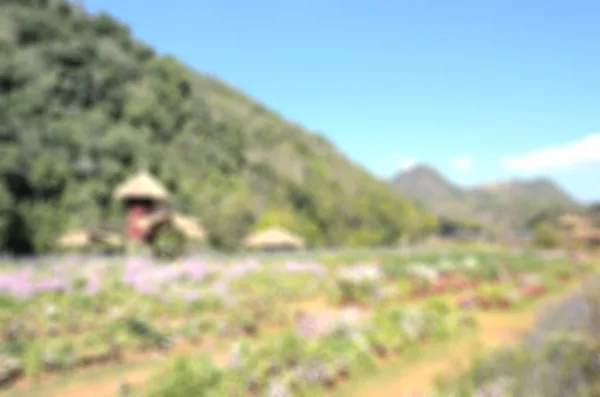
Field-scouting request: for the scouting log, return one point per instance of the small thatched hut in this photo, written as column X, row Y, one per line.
column 142, row 186
column 141, row 194
column 74, row 239
column 589, row 236
column 579, row 230
column 274, row 238
column 84, row 238
column 189, row 226
column 151, row 218
column 573, row 222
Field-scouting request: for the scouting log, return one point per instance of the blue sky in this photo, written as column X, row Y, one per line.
column 480, row 89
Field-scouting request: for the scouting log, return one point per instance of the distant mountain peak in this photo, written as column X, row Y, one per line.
column 423, row 181
column 410, row 167
column 501, row 204
column 420, row 169
column 494, row 186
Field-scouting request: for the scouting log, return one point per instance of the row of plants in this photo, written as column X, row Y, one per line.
column 495, row 282
column 522, row 289
column 107, row 345
column 129, row 335
column 80, row 327
column 60, row 313
column 560, row 357
column 294, row 365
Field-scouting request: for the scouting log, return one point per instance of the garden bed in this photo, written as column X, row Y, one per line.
column 102, row 315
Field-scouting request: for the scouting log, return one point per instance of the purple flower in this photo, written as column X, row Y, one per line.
column 51, row 285
column 191, row 296
column 306, row 267
column 196, row 271
column 305, row 325
column 241, row 269
column 93, row 285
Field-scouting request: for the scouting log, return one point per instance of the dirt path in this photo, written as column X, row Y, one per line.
column 495, row 330
column 418, row 378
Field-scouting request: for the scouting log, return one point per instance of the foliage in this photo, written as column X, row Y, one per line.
column 545, row 235
column 168, row 242
column 83, row 106
column 188, row 377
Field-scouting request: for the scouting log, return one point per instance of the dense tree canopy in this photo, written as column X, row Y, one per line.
column 83, row 106
column 545, row 235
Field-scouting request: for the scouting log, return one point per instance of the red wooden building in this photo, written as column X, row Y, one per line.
column 142, row 195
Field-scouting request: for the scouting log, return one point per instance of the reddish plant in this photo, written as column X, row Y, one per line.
column 420, row 292
column 565, row 278
column 534, row 291
column 439, row 289
column 503, row 303
column 485, row 302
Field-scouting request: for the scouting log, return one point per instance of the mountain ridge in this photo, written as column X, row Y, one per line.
column 505, row 205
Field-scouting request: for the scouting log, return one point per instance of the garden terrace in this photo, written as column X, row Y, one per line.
column 559, row 356
column 72, row 314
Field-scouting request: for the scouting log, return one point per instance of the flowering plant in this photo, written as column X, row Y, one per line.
column 358, row 284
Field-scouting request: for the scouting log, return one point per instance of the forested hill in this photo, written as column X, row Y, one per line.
column 83, row 106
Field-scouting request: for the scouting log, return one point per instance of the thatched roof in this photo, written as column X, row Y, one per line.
column 154, row 219
column 573, row 221
column 141, row 186
column 593, row 235
column 274, row 237
column 191, row 227
column 587, row 234
column 81, row 238
column 74, row 239
column 110, row 239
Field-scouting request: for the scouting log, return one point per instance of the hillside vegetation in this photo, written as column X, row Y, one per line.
column 502, row 207
column 84, row 106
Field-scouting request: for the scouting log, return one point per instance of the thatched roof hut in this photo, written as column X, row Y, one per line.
column 141, row 186
column 189, row 226
column 274, row 237
column 82, row 238
column 110, row 239
column 573, row 221
column 589, row 234
column 74, row 239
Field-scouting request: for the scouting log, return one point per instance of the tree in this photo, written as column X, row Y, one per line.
column 84, row 106
column 545, row 235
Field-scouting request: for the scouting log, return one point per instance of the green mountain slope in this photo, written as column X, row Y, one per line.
column 83, row 106
column 501, row 207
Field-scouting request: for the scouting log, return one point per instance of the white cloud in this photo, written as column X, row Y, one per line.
column 568, row 155
column 463, row 163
